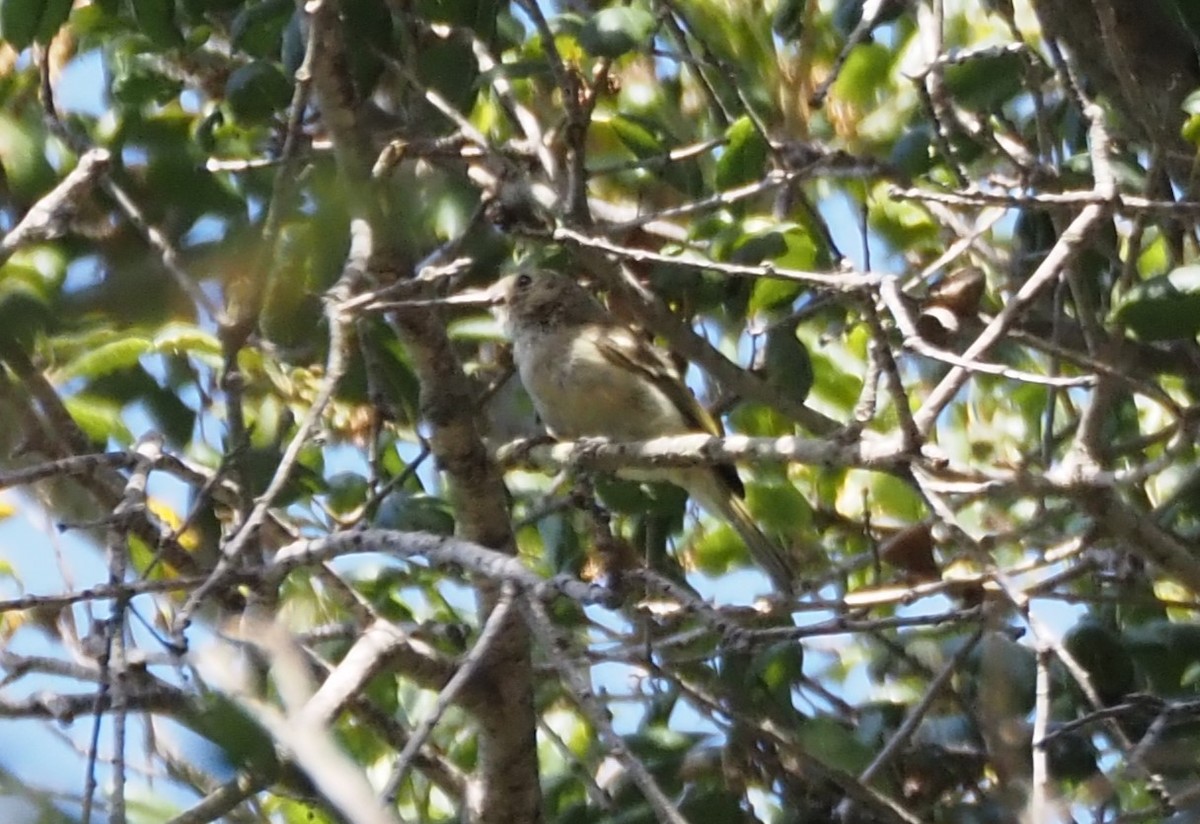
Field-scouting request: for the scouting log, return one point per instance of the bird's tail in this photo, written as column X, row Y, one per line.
column 718, row 499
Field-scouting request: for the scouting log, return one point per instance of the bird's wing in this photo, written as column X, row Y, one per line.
column 624, row 348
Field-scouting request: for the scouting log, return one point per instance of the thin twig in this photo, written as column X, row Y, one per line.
column 579, row 685
column 361, row 246
column 917, row 714
column 467, row 669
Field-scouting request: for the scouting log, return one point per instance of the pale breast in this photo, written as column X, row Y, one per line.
column 578, row 392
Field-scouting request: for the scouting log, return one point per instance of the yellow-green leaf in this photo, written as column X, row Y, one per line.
column 108, row 358
column 745, row 155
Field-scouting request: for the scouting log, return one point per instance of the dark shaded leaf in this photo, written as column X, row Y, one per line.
column 788, row 365
column 985, row 81
column 1163, row 308
column 1099, row 650
column 156, row 20
column 788, row 19
column 258, row 27
column 256, row 92
column 414, row 512
column 19, row 21
column 346, row 492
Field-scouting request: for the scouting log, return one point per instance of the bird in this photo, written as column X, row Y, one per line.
column 588, row 375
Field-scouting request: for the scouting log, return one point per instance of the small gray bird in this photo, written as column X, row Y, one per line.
column 589, row 376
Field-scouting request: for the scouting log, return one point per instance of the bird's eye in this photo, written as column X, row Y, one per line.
column 523, row 281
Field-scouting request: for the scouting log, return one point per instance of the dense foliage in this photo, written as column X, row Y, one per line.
column 936, row 260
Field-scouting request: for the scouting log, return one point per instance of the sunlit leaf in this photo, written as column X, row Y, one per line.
column 100, row 420
column 613, row 31
column 23, row 158
column 745, row 155
column 865, row 74
column 108, row 358
column 780, row 507
column 636, row 137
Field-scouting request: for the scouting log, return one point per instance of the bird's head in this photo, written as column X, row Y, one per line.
column 539, row 298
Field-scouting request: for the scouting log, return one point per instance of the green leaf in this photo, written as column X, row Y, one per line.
column 447, row 66
column 27, row 173
column 1191, row 103
column 25, row 305
column 347, row 491
column 174, row 418
column 896, row 498
column 903, row 225
column 617, row 30
column 1164, row 651
column 756, row 248
column 637, row 138
column 1190, row 131
column 718, row 550
column 294, row 45
column 846, row 16
column 866, row 73
column 780, row 507
column 1163, row 308
column 986, row 81
column 54, row 14
column 258, row 28
column 368, row 25
column 414, row 512
column 137, row 81
column 772, row 293
column 912, row 151
column 560, row 543
column 711, row 804
column 244, row 742
column 1071, row 754
column 156, row 20
column 623, row 496
column 181, row 339
column 19, row 21
column 108, row 358
column 745, row 155
column 1099, row 650
column 788, row 19
column 1005, row 671
column 788, row 365
column 99, row 419
column 779, row 668
column 833, row 744
column 256, row 91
